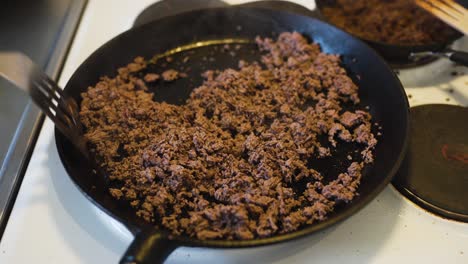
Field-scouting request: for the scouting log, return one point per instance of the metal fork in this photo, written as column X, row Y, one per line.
column 45, row 93
column 448, row 11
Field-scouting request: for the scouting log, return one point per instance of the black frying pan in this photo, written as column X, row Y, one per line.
column 379, row 89
column 402, row 54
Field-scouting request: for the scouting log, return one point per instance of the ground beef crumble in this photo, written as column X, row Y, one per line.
column 170, row 75
column 399, row 22
column 225, row 164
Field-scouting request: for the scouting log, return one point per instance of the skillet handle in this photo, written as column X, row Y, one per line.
column 459, row 57
column 148, row 247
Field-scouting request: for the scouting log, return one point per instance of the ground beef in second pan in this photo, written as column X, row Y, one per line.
column 227, row 164
column 396, row 22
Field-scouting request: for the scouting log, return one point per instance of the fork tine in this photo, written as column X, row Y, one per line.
column 437, row 12
column 447, row 8
column 68, row 101
column 47, row 90
column 52, row 84
column 55, row 91
column 40, row 99
column 68, row 105
column 61, row 111
column 75, row 113
column 65, row 117
column 452, row 14
column 456, row 6
column 49, row 93
column 442, row 6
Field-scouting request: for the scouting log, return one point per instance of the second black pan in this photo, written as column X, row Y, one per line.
column 379, row 88
column 404, row 54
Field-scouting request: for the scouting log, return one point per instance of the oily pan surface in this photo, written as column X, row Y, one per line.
column 398, row 22
column 236, row 161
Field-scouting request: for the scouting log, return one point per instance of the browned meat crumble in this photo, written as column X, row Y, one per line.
column 399, row 22
column 170, row 75
column 225, row 165
column 151, row 77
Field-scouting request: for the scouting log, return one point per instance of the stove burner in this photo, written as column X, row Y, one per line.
column 434, row 174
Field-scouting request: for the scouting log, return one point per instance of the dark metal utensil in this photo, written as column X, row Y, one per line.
column 45, row 93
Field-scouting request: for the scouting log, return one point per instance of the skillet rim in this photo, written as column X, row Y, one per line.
column 353, row 208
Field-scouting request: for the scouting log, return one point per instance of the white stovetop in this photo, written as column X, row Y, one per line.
column 53, row 223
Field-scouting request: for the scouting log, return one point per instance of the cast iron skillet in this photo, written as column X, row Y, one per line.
column 379, row 89
column 401, row 54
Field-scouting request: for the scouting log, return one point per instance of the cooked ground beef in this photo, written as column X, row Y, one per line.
column 151, row 77
column 227, row 164
column 399, row 22
column 170, row 75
